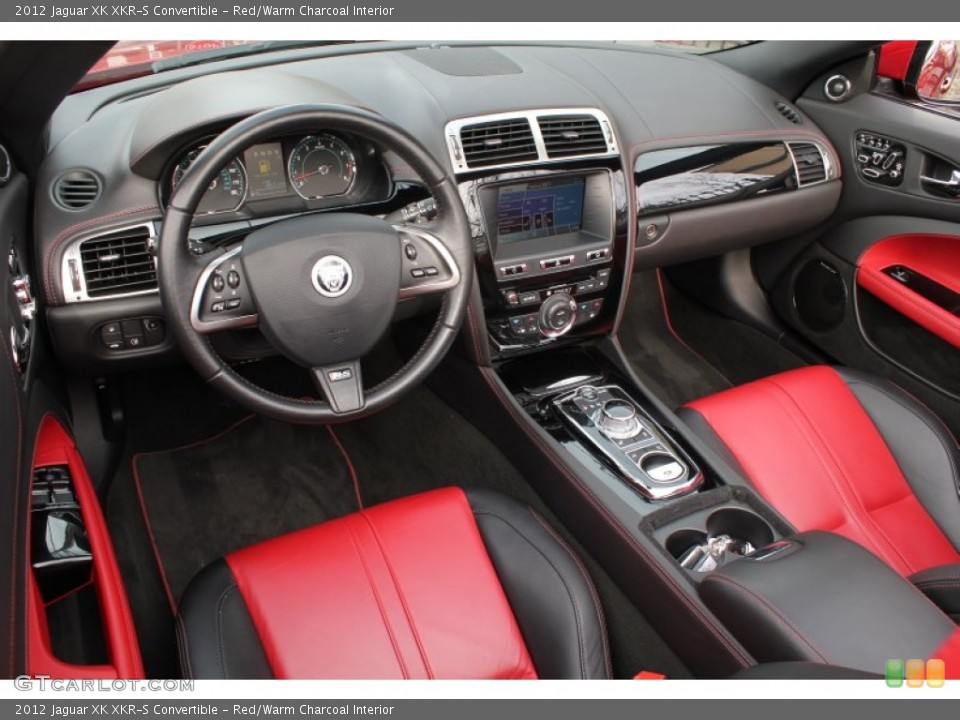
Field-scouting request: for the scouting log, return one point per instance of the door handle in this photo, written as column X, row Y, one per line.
column 951, row 186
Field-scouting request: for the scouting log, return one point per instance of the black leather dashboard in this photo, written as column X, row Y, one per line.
column 128, row 134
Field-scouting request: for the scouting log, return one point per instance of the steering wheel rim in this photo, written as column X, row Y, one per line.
column 180, row 270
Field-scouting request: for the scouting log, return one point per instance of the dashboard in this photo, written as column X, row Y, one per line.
column 576, row 164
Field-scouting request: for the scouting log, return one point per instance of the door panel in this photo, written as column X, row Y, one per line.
column 15, row 436
column 878, row 287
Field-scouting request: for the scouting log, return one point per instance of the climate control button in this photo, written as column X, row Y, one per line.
column 557, row 314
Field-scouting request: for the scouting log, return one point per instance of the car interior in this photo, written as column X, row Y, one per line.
column 523, row 360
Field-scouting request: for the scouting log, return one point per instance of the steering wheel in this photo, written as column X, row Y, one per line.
column 322, row 287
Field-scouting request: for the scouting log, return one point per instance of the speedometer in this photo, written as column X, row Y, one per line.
column 321, row 166
column 226, row 191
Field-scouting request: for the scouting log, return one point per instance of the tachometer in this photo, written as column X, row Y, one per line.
column 322, row 166
column 227, row 190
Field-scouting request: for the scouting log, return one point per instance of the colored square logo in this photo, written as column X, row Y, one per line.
column 936, row 673
column 894, row 673
column 915, row 673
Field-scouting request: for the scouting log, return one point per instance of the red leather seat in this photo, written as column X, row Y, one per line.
column 445, row 584
column 837, row 450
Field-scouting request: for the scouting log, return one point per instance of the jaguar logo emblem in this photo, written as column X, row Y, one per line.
column 332, row 276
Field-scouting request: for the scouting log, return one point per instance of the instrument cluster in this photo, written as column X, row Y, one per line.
column 295, row 173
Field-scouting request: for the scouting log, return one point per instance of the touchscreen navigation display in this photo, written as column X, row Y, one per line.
column 540, row 209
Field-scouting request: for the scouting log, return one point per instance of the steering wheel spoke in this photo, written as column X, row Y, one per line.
column 426, row 264
column 342, row 385
column 221, row 298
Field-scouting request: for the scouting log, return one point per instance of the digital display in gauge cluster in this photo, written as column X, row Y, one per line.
column 264, row 163
column 310, row 168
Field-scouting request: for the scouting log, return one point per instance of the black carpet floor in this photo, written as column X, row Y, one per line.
column 258, row 479
column 684, row 351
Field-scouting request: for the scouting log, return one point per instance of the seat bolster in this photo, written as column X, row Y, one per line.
column 216, row 634
column 548, row 588
column 942, row 585
column 923, row 447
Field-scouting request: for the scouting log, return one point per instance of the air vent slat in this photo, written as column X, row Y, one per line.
column 811, row 167
column 76, row 190
column 497, row 142
column 526, row 138
column 571, row 135
column 789, row 112
column 119, row 262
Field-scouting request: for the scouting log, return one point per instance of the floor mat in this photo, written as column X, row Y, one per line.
column 741, row 353
column 673, row 370
column 257, row 480
column 261, row 478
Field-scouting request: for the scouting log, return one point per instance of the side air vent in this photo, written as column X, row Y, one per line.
column 120, row 262
column 571, row 135
column 810, row 162
column 498, row 143
column 789, row 112
column 76, row 190
column 529, row 138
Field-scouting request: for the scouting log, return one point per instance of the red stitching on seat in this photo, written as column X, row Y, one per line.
column 403, row 600
column 808, row 424
column 376, row 594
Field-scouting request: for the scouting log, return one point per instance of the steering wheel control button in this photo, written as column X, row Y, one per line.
column 418, row 273
column 217, row 283
column 233, row 303
column 332, row 276
column 218, row 306
column 233, row 279
column 410, row 250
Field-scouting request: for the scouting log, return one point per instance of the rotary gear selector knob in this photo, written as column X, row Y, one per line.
column 557, row 314
column 618, row 419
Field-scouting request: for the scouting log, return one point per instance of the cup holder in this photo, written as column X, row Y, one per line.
column 682, row 540
column 730, row 533
column 742, row 526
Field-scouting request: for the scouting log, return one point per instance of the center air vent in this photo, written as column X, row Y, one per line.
column 571, row 135
column 529, row 138
column 120, row 262
column 498, row 143
column 810, row 162
column 76, row 190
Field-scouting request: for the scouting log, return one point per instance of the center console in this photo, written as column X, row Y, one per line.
column 550, row 246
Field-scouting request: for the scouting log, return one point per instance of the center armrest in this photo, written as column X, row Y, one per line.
column 825, row 599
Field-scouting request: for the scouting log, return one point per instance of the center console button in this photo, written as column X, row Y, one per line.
column 618, row 419
column 662, row 468
column 557, row 314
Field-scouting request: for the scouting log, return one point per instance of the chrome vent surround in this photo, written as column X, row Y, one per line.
column 789, row 112
column 812, row 163
column 572, row 135
column 76, row 189
column 498, row 142
column 509, row 140
column 118, row 263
